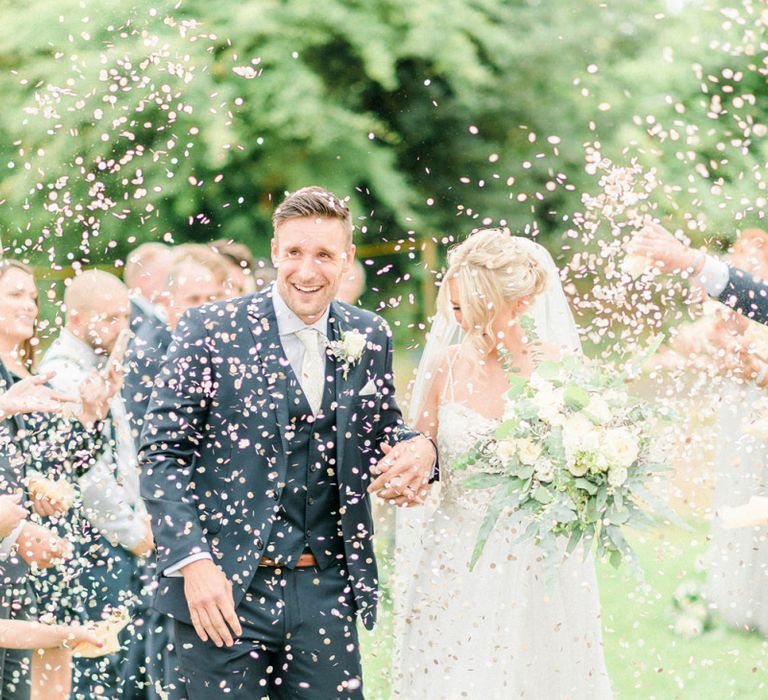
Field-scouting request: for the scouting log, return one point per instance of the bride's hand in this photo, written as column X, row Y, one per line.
column 404, row 472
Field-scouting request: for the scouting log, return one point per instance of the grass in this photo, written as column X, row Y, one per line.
column 645, row 658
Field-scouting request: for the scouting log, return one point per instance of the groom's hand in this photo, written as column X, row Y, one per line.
column 211, row 605
column 404, row 472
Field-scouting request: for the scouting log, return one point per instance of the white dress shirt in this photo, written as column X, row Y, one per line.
column 288, row 323
column 148, row 309
column 714, row 276
column 109, row 490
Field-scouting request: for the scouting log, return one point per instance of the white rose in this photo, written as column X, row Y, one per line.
column 576, row 468
column 580, row 435
column 574, row 428
column 506, row 449
column 617, row 476
column 510, row 411
column 353, row 344
column 528, row 451
column 539, row 383
column 599, row 409
column 616, row 397
column 549, row 403
column 545, row 472
column 688, row 626
column 620, row 447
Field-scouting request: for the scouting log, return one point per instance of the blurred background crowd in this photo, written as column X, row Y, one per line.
column 73, row 416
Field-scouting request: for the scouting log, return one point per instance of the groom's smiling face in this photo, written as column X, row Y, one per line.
column 311, row 256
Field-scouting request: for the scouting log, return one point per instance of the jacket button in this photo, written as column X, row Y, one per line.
column 259, row 543
column 314, row 467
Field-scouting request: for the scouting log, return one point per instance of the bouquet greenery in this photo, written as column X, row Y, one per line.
column 570, row 459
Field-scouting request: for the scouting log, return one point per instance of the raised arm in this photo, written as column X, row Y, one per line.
column 744, row 293
column 731, row 286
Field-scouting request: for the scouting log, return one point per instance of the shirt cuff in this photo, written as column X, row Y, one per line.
column 175, row 570
column 714, row 276
column 7, row 543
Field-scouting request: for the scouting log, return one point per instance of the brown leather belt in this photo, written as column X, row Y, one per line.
column 305, row 560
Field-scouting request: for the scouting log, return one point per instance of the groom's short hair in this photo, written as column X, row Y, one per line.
column 317, row 202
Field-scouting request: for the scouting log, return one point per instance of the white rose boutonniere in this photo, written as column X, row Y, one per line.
column 349, row 348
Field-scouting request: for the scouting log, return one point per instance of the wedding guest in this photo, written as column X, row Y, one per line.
column 21, row 634
column 352, row 284
column 720, row 349
column 27, row 542
column 197, row 275
column 119, row 532
column 240, row 265
column 730, row 285
column 51, row 675
column 145, row 271
column 737, row 570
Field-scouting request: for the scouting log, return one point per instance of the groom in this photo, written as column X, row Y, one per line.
column 265, row 427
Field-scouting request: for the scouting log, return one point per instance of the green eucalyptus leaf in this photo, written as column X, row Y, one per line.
column 543, row 495
column 586, row 485
column 484, row 481
column 575, row 397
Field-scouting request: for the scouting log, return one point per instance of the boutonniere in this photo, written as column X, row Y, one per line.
column 349, row 348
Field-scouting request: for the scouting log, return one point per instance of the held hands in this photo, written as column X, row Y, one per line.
column 40, row 546
column 31, row 395
column 11, row 513
column 211, row 605
column 404, row 471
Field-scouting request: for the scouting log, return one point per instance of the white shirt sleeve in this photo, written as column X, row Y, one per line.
column 6, row 544
column 714, row 276
column 107, row 507
column 175, row 570
column 105, row 500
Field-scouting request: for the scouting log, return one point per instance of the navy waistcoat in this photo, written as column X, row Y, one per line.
column 307, row 518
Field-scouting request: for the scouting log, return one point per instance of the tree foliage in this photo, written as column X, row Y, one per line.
column 186, row 120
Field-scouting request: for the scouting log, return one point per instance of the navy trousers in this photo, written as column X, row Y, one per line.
column 299, row 641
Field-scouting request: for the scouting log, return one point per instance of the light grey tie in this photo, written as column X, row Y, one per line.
column 313, row 368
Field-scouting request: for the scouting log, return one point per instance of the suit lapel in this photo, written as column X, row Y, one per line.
column 262, row 324
column 338, row 322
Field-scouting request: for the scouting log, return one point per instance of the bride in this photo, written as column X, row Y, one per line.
column 504, row 629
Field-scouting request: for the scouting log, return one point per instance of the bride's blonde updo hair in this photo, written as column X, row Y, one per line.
column 492, row 270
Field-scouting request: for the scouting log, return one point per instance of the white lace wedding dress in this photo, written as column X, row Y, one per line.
column 501, row 630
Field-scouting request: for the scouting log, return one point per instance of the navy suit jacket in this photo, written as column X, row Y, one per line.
column 143, row 361
column 744, row 293
column 213, row 453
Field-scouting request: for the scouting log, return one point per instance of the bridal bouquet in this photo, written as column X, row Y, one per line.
column 571, row 458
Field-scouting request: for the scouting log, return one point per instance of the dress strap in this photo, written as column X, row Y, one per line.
column 448, row 389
